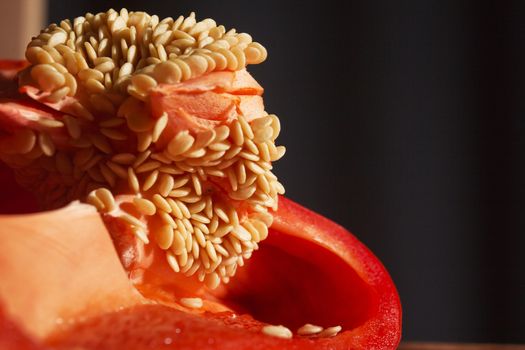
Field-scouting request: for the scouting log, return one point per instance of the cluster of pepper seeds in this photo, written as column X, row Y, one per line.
column 308, row 330
column 187, row 194
column 114, row 53
column 176, row 189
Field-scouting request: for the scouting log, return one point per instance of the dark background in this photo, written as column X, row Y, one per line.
column 404, row 121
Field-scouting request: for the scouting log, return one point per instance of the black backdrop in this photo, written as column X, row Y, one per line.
column 404, row 121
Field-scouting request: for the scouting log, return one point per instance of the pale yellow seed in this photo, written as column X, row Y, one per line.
column 79, row 110
column 81, row 61
column 47, row 77
column 150, row 180
column 277, row 331
column 71, row 83
column 175, row 210
column 159, row 127
column 212, row 280
column 140, row 233
column 91, row 53
column 108, row 175
column 161, row 203
column 172, row 261
column 240, row 57
column 119, row 170
column 164, row 236
column 260, row 123
column 309, row 329
column 192, row 303
column 264, row 152
column 131, row 57
column 90, row 74
column 133, row 180
column 180, row 143
column 178, row 245
column 262, row 227
column 180, row 192
column 255, row 53
column 114, row 134
column 107, row 198
column 130, row 219
column 125, row 69
column 46, row 144
column 184, row 69
column 94, row 86
column 204, row 138
column 241, row 233
column 58, row 94
column 123, row 158
column 196, row 184
column 147, row 166
column 253, row 231
column 276, row 153
column 196, row 153
column 200, row 218
column 199, row 236
column 183, row 258
column 71, row 62
column 210, row 249
column 236, row 133
column 221, row 214
column 144, row 206
column 234, row 218
column 243, row 193
column 141, row 158
column 240, row 172
column 95, row 201
column 161, row 157
column 143, row 82
column 167, row 73
column 166, row 183
column 197, row 207
column 144, row 140
column 49, row 123
column 139, row 121
column 221, row 133
column 44, row 57
column 330, row 332
column 254, row 167
column 198, row 65
column 105, row 67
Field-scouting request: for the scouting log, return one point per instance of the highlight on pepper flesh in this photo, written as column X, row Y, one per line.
column 158, row 126
column 186, row 165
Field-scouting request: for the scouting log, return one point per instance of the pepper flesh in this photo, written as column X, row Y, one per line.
column 365, row 301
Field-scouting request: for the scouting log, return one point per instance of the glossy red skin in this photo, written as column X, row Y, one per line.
column 372, row 321
column 382, row 330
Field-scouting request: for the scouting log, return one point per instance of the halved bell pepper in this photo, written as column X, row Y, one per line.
column 69, row 280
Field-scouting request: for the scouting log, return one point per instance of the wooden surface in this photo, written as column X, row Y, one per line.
column 449, row 346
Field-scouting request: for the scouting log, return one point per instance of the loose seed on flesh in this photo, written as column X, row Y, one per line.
column 309, row 329
column 192, row 303
column 277, row 331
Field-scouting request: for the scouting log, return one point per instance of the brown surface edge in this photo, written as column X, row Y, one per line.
column 458, row 346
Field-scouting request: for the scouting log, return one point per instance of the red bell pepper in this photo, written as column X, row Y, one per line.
column 309, row 270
